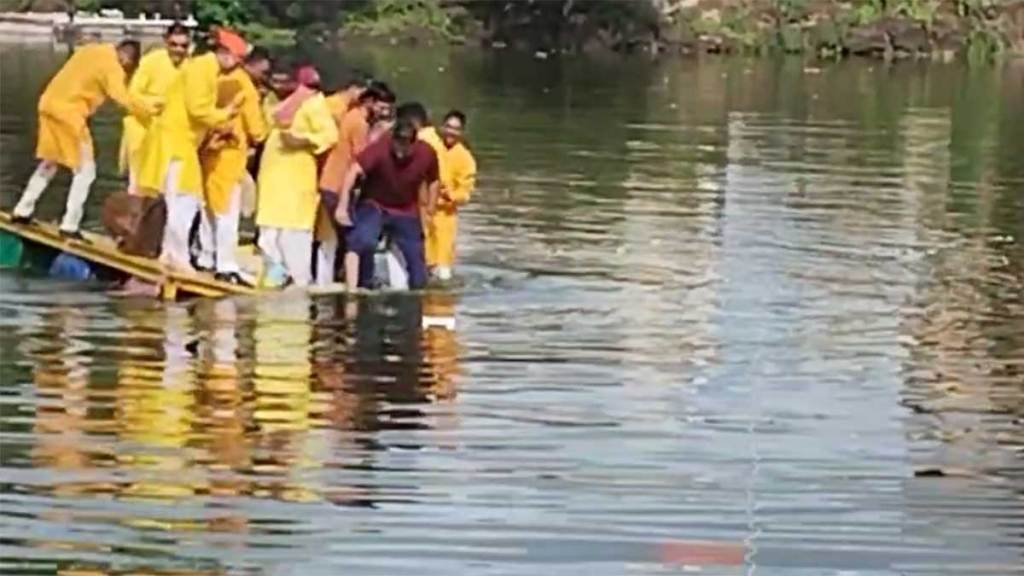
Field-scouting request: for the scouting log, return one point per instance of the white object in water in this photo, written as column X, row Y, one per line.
column 389, row 269
column 446, row 322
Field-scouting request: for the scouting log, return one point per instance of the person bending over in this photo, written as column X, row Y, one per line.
column 400, row 181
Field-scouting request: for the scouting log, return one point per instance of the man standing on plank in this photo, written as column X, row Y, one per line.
column 223, row 158
column 169, row 158
column 157, row 71
column 92, row 74
column 288, row 198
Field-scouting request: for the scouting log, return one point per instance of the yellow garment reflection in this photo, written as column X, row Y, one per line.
column 222, row 422
column 156, row 409
column 440, row 344
column 61, row 378
column 284, row 402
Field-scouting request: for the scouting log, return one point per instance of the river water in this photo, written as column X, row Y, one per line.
column 728, row 316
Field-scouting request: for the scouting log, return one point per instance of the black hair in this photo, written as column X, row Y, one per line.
column 458, row 115
column 404, row 130
column 257, row 54
column 352, row 79
column 283, row 66
column 177, row 29
column 414, row 111
column 379, row 91
column 133, row 48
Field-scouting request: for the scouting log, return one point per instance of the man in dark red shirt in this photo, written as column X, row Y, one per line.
column 400, row 185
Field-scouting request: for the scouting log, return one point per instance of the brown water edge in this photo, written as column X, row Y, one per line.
column 730, row 314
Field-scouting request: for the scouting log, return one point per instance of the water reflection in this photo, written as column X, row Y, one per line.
column 729, row 315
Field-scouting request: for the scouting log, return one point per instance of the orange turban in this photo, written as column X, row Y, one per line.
column 231, row 41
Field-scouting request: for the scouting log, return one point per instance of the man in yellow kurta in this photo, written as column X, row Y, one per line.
column 157, row 70
column 93, row 73
column 458, row 178
column 169, row 158
column 223, row 158
column 288, row 198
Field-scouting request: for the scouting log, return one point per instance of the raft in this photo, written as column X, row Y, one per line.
column 102, row 251
column 42, row 240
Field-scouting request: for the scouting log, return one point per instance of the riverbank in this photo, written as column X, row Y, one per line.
column 979, row 30
column 889, row 29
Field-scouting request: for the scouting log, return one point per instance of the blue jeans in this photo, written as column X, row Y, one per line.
column 405, row 231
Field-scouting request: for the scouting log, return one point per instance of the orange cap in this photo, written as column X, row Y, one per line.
column 231, row 41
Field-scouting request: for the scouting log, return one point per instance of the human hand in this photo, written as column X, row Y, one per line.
column 292, row 141
column 342, row 217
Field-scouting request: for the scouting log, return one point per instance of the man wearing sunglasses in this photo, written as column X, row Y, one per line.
column 157, row 71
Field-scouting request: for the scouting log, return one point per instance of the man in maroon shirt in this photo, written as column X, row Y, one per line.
column 400, row 180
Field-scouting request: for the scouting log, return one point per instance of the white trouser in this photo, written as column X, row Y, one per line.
column 77, row 194
column 181, row 212
column 326, row 254
column 133, row 182
column 218, row 235
column 290, row 248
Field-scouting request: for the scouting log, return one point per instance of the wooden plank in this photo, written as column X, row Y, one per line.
column 103, row 250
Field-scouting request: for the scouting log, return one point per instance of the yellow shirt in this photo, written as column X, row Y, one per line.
column 150, row 83
column 223, row 157
column 288, row 196
column 189, row 113
column 456, row 167
column 83, row 84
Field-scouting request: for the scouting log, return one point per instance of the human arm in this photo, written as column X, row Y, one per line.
column 313, row 128
column 341, row 215
column 464, row 181
column 428, row 195
column 430, row 188
column 201, row 96
column 253, row 119
column 112, row 81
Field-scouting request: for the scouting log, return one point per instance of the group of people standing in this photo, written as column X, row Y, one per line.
column 331, row 168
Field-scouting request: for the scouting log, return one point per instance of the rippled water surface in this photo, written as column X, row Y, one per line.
column 734, row 317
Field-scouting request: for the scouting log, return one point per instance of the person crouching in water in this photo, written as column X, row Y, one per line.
column 288, row 195
column 223, row 157
column 92, row 74
column 399, row 191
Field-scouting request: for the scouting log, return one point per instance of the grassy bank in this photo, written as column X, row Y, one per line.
column 979, row 30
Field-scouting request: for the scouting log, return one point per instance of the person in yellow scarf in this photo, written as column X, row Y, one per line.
column 157, row 70
column 458, row 178
column 288, row 196
column 169, row 157
column 93, row 73
column 223, row 159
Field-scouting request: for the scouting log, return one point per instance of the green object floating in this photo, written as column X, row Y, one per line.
column 11, row 250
